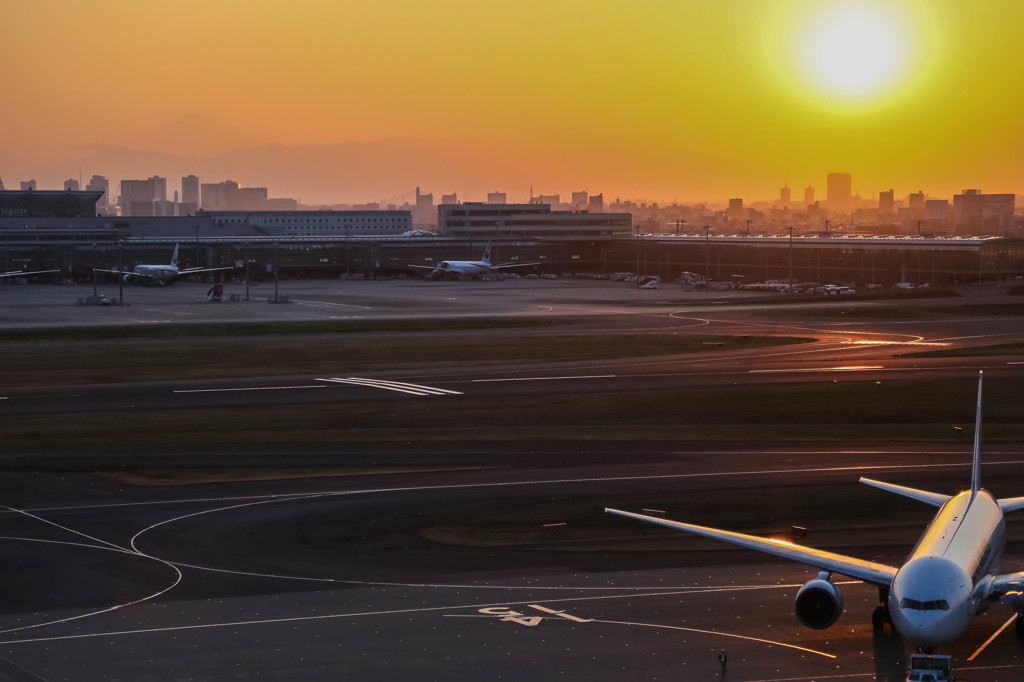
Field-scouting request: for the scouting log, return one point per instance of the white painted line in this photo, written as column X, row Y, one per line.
column 255, row 388
column 327, row 304
column 815, row 369
column 990, row 639
column 585, row 376
column 720, row 634
column 399, row 386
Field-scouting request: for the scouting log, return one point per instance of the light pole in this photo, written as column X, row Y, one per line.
column 790, row 228
column 707, row 254
column 120, row 276
column 748, row 227
column 246, row 254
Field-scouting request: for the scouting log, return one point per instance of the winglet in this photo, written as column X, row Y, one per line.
column 976, row 467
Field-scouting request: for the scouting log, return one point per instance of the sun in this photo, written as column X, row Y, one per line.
column 854, row 52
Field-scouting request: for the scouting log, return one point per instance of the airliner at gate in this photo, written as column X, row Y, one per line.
column 951, row 574
column 468, row 268
column 159, row 274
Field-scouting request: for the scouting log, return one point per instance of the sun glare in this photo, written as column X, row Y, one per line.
column 854, row 53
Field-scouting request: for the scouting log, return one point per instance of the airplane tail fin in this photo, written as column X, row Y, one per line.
column 976, row 466
column 487, row 254
column 174, row 258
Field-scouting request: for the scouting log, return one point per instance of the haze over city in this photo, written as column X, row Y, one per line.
column 661, row 101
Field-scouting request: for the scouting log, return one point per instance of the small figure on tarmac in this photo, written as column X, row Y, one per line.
column 721, row 659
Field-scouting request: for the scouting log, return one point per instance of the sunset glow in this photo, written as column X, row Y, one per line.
column 658, row 100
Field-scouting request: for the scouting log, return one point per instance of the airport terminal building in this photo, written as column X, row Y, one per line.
column 60, row 230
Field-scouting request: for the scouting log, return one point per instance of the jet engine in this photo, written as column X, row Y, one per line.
column 818, row 604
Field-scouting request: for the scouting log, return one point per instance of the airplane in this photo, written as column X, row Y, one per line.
column 951, row 574
column 458, row 269
column 162, row 275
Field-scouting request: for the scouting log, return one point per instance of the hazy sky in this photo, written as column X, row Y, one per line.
column 666, row 100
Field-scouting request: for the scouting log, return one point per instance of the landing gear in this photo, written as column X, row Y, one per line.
column 880, row 616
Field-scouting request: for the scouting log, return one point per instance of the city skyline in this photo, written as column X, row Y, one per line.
column 681, row 101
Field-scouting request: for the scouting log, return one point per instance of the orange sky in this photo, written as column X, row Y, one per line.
column 658, row 100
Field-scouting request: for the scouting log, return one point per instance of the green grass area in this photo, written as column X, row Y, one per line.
column 209, row 358
column 898, row 410
column 258, row 329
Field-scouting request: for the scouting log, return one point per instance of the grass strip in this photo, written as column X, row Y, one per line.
column 230, row 358
column 898, row 410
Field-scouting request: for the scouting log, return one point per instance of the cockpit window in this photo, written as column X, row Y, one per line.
column 937, row 605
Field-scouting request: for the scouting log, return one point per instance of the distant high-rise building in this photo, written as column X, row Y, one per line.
column 839, row 191
column 98, row 183
column 496, row 198
column 808, row 195
column 784, row 195
column 449, row 199
column 423, row 212
column 190, row 190
column 580, row 200
column 137, row 198
column 71, row 185
column 1, row 184
column 977, row 213
column 916, row 201
column 28, row 186
column 886, row 203
column 596, row 203
column 554, row 200
column 159, row 186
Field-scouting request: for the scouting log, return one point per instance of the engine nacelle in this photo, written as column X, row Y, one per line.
column 818, row 604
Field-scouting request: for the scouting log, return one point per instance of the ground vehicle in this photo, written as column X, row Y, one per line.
column 930, row 668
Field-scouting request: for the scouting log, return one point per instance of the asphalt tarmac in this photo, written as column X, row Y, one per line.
column 331, row 577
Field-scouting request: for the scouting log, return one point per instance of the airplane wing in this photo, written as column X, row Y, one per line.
column 934, row 499
column 868, row 571
column 1010, row 504
column 192, row 271
column 424, row 267
column 122, row 272
column 512, row 265
column 21, row 273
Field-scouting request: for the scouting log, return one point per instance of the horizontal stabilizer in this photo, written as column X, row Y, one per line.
column 1011, row 504
column 868, row 571
column 934, row 499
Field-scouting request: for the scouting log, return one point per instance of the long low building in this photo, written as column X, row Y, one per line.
column 378, row 243
column 481, row 221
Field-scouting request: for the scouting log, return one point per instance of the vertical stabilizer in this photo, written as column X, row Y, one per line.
column 487, row 255
column 976, row 467
column 174, row 258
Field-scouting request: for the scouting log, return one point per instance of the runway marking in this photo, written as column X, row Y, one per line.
column 720, row 634
column 254, row 388
column 104, row 545
column 360, row 614
column 507, row 615
column 582, row 376
column 327, row 304
column 815, row 369
column 399, row 386
column 990, row 639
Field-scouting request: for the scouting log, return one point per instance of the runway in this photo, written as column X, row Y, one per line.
column 335, row 571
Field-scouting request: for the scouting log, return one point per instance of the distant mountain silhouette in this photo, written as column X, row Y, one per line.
column 349, row 172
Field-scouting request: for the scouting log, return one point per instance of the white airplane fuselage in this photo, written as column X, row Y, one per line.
column 160, row 274
column 932, row 598
column 470, row 268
